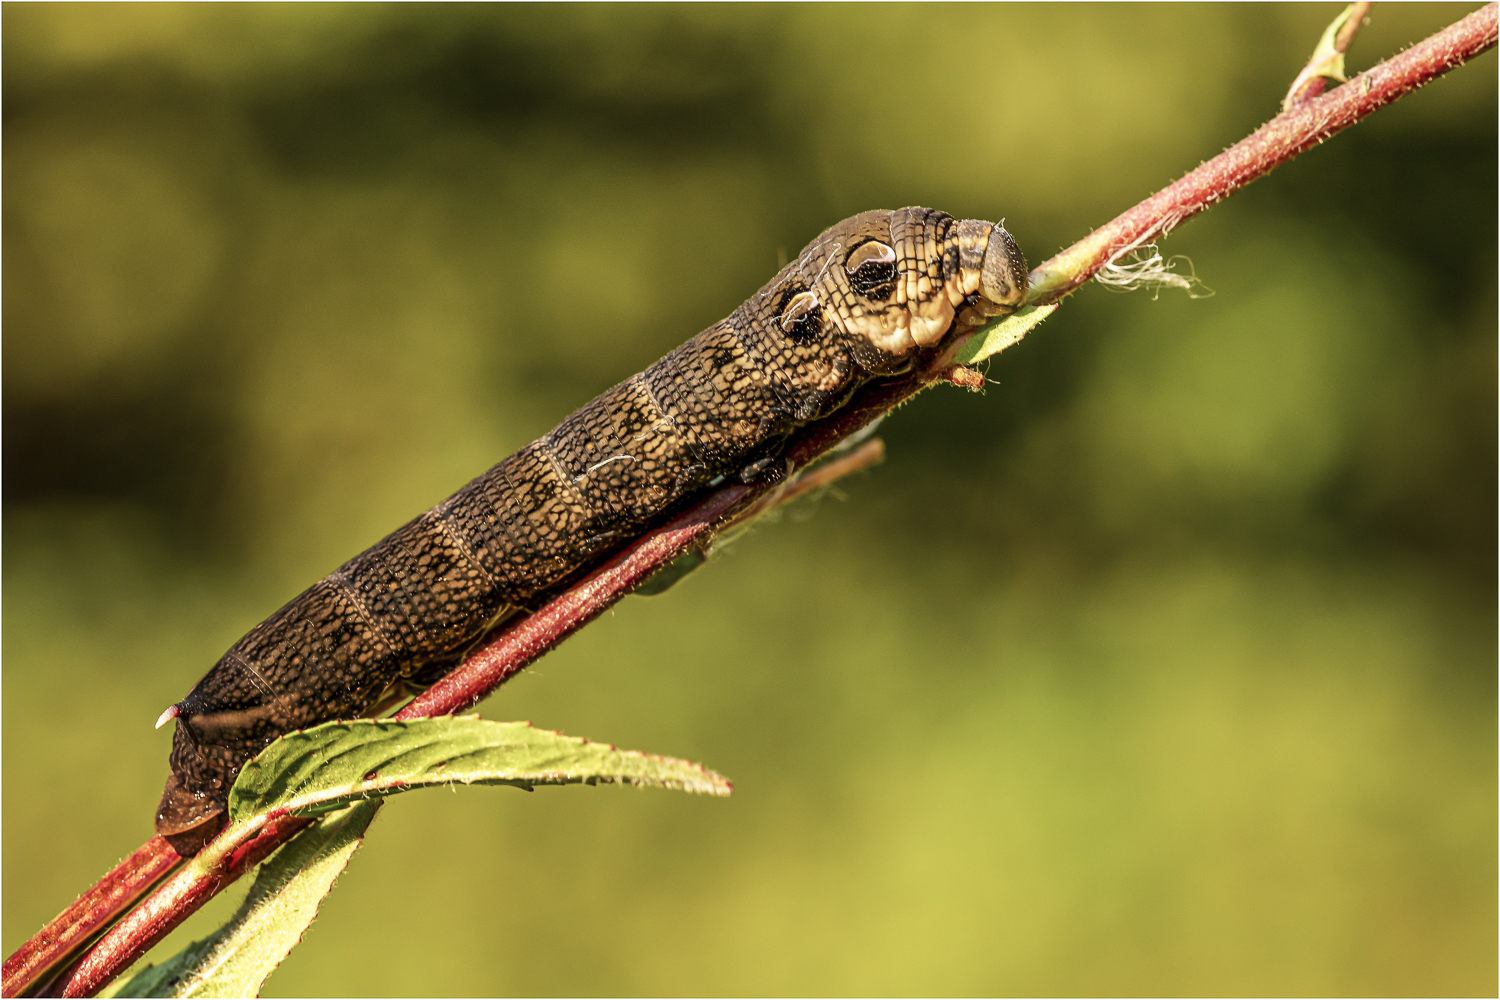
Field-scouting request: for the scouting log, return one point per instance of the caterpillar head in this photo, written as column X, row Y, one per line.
column 895, row 282
column 990, row 264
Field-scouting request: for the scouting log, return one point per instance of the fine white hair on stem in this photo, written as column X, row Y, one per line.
column 1137, row 267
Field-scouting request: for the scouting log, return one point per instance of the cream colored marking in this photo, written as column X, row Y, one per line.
column 671, row 423
column 665, row 421
column 801, row 304
column 599, row 465
column 883, row 328
column 877, row 252
column 931, row 319
column 827, row 261
column 341, row 580
column 462, row 543
column 264, row 684
column 562, row 475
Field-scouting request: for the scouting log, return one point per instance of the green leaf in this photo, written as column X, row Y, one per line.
column 997, row 337
column 328, row 766
column 235, row 960
column 1327, row 59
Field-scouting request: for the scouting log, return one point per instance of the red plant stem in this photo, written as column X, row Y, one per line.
column 89, row 913
column 1274, row 143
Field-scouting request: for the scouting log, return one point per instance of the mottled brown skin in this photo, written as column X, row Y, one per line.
column 863, row 301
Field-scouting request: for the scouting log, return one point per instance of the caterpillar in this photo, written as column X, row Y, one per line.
column 865, row 300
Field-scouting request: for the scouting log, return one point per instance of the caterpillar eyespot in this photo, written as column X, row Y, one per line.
column 402, row 613
column 872, row 270
column 799, row 317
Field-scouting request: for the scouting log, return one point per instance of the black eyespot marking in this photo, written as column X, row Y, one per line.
column 871, row 267
column 801, row 317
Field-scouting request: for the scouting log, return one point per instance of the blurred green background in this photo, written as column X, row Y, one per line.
column 1167, row 666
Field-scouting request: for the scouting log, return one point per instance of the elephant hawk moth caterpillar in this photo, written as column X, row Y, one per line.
column 866, row 300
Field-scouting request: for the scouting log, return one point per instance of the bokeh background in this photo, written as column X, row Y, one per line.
column 1166, row 666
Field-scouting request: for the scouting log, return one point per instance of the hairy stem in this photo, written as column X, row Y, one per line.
column 89, row 913
column 1271, row 145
